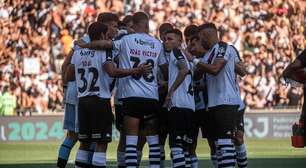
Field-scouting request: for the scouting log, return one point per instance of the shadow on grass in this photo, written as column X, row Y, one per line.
column 203, row 163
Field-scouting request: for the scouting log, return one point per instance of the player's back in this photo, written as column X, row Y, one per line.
column 91, row 79
column 136, row 49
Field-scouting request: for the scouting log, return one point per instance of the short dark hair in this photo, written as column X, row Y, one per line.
column 140, row 16
column 95, row 30
column 165, row 27
column 207, row 26
column 191, row 30
column 127, row 19
column 106, row 17
column 175, row 31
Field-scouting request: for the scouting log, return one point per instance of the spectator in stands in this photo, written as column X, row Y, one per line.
column 268, row 35
column 7, row 102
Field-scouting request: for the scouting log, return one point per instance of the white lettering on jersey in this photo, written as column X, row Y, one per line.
column 91, row 79
column 133, row 50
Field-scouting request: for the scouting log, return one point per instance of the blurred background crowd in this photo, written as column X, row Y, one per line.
column 37, row 34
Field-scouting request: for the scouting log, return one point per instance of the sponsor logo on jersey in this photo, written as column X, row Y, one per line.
column 145, row 43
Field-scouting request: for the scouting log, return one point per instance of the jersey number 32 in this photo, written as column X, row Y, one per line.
column 92, row 83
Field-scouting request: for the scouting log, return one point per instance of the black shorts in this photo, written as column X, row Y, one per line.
column 197, row 122
column 141, row 108
column 95, row 119
column 119, row 116
column 223, row 121
column 239, row 122
column 163, row 121
column 207, row 124
column 180, row 124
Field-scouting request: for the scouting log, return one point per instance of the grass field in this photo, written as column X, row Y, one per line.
column 262, row 154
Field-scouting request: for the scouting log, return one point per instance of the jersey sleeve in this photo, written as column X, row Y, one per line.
column 222, row 51
column 302, row 57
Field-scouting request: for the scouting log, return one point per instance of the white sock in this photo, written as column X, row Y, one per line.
column 154, row 151
column 131, row 151
column 178, row 159
column 99, row 159
column 242, row 160
column 226, row 153
column 82, row 158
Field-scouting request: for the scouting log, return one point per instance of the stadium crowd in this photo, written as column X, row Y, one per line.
column 38, row 34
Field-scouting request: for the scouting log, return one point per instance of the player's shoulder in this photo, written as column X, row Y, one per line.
column 222, row 48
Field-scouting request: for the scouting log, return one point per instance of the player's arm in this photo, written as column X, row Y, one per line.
column 115, row 72
column 65, row 64
column 183, row 71
column 181, row 64
column 70, row 73
column 213, row 69
column 96, row 45
column 240, row 69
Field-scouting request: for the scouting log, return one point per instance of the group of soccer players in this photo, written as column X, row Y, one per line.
column 167, row 87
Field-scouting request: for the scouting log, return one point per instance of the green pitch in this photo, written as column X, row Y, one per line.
column 262, row 154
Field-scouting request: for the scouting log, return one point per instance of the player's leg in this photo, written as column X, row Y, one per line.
column 71, row 136
column 101, row 130
column 121, row 144
column 209, row 132
column 151, row 132
column 163, row 132
column 225, row 123
column 131, row 127
column 196, row 123
column 242, row 160
column 82, row 155
column 177, row 135
column 84, row 136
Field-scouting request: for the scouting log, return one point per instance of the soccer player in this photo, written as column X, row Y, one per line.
column 196, row 49
column 290, row 72
column 241, row 156
column 163, row 90
column 70, row 110
column 223, row 98
column 140, row 96
column 189, row 32
column 139, row 92
column 179, row 100
column 125, row 28
column 111, row 20
column 162, row 79
column 92, row 70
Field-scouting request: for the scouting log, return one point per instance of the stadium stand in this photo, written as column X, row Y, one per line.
column 36, row 35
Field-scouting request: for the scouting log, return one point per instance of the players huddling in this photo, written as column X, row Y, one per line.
column 168, row 87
